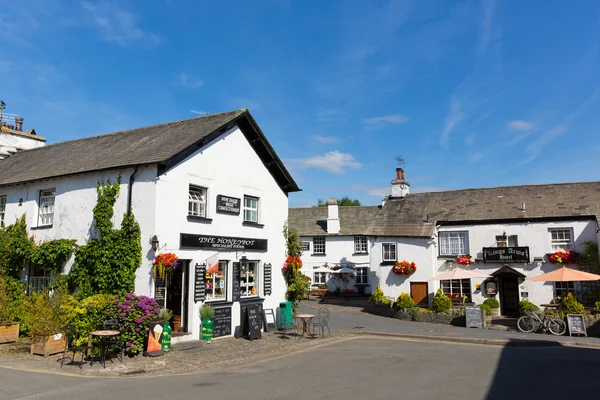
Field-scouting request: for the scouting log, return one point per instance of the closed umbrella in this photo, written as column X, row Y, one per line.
column 565, row 274
column 458, row 273
column 344, row 270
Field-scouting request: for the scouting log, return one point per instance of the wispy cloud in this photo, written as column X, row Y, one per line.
column 519, row 125
column 119, row 25
column 455, row 116
column 325, row 139
column 188, row 81
column 383, row 121
column 371, row 190
column 333, row 161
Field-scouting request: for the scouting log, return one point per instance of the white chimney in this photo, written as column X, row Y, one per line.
column 400, row 187
column 333, row 217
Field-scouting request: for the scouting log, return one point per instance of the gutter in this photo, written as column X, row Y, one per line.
column 130, row 189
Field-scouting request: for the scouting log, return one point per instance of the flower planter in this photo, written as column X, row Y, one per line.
column 9, row 332
column 47, row 345
column 488, row 320
column 495, row 312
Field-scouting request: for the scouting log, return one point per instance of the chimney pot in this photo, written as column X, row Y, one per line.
column 332, row 201
column 19, row 124
column 399, row 174
column 333, row 217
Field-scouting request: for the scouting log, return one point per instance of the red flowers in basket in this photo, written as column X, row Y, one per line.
column 164, row 263
column 404, row 268
column 464, row 259
column 563, row 257
column 291, row 263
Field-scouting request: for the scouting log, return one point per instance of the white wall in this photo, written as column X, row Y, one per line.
column 230, row 167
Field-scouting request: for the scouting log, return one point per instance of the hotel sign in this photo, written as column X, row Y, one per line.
column 506, row 254
column 188, row 240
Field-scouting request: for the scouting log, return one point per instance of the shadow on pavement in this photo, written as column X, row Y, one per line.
column 547, row 370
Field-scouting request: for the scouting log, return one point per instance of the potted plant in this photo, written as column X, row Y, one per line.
column 488, row 314
column 494, row 306
column 206, row 314
column 9, row 327
column 404, row 268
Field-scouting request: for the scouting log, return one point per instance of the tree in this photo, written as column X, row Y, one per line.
column 344, row 201
column 297, row 283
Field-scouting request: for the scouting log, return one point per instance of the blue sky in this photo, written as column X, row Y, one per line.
column 470, row 93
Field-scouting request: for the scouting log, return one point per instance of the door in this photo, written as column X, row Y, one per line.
column 177, row 296
column 418, row 292
column 509, row 295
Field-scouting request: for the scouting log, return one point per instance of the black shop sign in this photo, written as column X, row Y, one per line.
column 189, row 240
column 228, row 205
column 506, row 255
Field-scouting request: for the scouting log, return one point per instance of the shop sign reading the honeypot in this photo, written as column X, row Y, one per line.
column 228, row 205
column 222, row 242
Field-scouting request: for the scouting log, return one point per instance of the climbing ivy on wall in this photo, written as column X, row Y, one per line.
column 108, row 262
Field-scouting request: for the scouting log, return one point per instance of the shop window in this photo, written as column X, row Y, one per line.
column 362, row 275
column 389, row 252
column 319, row 278
column 2, row 209
column 250, row 209
column 319, row 245
column 507, row 241
column 249, row 279
column 562, row 239
column 46, row 207
column 197, row 201
column 454, row 243
column 562, row 288
column 360, row 244
column 460, row 287
column 305, row 246
column 216, row 281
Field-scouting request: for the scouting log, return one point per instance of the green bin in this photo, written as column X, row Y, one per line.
column 286, row 317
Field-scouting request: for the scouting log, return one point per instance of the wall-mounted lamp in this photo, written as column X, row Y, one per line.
column 504, row 235
column 154, row 242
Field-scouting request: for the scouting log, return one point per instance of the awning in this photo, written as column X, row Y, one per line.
column 507, row 270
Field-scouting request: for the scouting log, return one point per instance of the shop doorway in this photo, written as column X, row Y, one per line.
column 508, row 288
column 418, row 292
column 177, row 296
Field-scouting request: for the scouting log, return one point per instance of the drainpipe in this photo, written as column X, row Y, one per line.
column 130, row 190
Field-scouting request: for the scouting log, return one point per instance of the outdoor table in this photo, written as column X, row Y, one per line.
column 305, row 318
column 103, row 335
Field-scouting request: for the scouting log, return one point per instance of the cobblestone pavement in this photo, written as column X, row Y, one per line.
column 221, row 353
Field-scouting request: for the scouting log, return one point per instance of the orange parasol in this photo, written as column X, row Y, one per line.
column 566, row 275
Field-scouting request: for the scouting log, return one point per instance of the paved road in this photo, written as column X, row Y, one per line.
column 355, row 368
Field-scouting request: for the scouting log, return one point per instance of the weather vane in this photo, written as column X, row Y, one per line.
column 401, row 161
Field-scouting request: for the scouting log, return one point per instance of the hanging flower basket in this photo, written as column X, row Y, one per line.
column 404, row 268
column 563, row 257
column 164, row 263
column 464, row 259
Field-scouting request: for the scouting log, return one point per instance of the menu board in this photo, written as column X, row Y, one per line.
column 222, row 322
column 258, row 307
column 236, row 284
column 576, row 324
column 267, row 279
column 199, row 283
column 253, row 322
column 474, row 317
column 160, row 288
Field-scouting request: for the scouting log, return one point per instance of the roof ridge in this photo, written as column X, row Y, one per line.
column 507, row 187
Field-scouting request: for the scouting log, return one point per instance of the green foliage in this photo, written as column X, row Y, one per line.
column 404, row 301
column 298, row 285
column 206, row 311
column 570, row 305
column 90, row 313
column 344, row 201
column 597, row 307
column 378, row 297
column 492, row 302
column 415, row 312
column 486, row 308
column 108, row 262
column 12, row 293
column 441, row 302
column 165, row 314
column 53, row 255
column 46, row 313
column 293, row 243
column 15, row 246
column 527, row 306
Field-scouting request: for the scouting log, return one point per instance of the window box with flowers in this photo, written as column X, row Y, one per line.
column 464, row 259
column 563, row 257
column 404, row 268
column 164, row 264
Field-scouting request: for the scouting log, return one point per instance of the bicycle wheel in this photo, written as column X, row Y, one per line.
column 526, row 324
column 557, row 326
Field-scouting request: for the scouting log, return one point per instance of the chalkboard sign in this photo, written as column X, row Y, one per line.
column 243, row 324
column 160, row 288
column 199, row 284
column 253, row 322
column 236, row 284
column 576, row 324
column 267, row 279
column 474, row 317
column 222, row 322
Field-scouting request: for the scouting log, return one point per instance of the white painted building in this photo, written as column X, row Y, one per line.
column 432, row 229
column 209, row 189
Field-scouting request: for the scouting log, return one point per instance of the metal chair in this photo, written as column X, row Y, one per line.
column 112, row 324
column 72, row 337
column 322, row 322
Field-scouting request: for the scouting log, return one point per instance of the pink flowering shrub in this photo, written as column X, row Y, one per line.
column 134, row 313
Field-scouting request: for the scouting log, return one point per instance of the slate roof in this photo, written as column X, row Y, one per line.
column 313, row 221
column 407, row 217
column 164, row 144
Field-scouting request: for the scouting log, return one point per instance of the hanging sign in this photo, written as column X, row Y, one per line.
column 267, row 279
column 221, row 242
column 506, row 254
column 228, row 205
column 199, row 283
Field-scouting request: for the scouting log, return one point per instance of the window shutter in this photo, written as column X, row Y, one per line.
column 267, row 279
column 199, row 283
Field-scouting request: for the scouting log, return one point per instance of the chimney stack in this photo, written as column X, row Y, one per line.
column 19, row 124
column 333, row 217
column 400, row 187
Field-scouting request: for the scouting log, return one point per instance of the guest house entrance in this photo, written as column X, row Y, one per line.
column 508, row 289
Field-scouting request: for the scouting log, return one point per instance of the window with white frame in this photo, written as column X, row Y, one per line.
column 506, row 241
column 362, row 275
column 562, row 239
column 562, row 288
column 457, row 287
column 305, row 246
column 2, row 209
column 250, row 209
column 360, row 244
column 454, row 243
column 319, row 278
column 249, row 275
column 197, row 201
column 216, row 281
column 319, row 245
column 389, row 252
column 46, row 210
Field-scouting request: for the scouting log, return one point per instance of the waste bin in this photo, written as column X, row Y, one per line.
column 286, row 317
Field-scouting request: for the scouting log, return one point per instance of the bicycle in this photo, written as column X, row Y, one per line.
column 538, row 321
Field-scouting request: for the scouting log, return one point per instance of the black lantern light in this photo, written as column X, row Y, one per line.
column 154, row 242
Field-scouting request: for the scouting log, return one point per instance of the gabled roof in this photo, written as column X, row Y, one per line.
column 313, row 221
column 164, row 144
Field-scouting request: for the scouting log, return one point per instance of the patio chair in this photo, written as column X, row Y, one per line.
column 112, row 324
column 322, row 322
column 72, row 337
